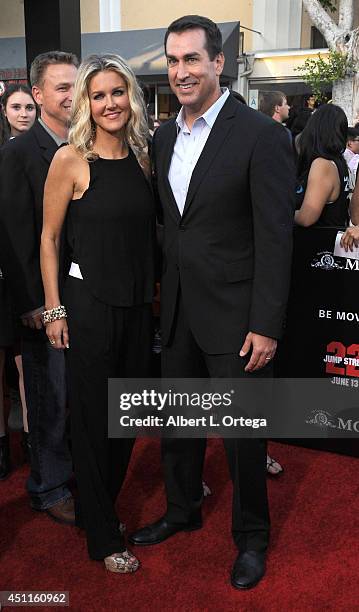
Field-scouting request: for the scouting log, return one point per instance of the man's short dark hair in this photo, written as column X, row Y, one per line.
column 268, row 100
column 42, row 61
column 195, row 22
column 353, row 133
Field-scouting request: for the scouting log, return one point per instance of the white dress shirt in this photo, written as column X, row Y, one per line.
column 352, row 159
column 188, row 148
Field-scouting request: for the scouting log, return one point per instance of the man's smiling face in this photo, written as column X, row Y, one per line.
column 54, row 94
column 193, row 76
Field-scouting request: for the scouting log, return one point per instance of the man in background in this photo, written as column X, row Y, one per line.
column 275, row 105
column 351, row 155
column 24, row 164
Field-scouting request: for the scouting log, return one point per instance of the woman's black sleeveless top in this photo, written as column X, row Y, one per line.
column 111, row 233
column 334, row 214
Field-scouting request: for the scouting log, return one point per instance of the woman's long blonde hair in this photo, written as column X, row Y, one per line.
column 82, row 127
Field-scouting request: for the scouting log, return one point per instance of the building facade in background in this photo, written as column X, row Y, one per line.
column 264, row 42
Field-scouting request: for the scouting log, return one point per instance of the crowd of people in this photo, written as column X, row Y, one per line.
column 83, row 183
column 326, row 151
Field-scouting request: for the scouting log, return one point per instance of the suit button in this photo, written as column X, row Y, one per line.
column 182, row 228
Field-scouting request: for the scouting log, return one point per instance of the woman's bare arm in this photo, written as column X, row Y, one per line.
column 323, row 184
column 59, row 190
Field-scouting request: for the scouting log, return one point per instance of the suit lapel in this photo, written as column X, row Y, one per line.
column 165, row 166
column 218, row 134
column 46, row 143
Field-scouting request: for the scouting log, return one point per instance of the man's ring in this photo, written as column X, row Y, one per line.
column 267, row 358
column 52, row 341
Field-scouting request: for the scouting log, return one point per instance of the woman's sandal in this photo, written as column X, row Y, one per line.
column 122, row 563
column 273, row 467
column 206, row 490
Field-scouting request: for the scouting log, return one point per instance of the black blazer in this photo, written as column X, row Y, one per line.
column 230, row 252
column 24, row 164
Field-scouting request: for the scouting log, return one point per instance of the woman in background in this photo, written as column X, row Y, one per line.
column 322, row 173
column 18, row 113
column 6, row 340
column 19, row 109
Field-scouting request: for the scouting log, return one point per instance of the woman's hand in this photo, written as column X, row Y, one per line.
column 350, row 238
column 57, row 333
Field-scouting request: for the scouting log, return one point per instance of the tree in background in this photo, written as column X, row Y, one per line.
column 343, row 42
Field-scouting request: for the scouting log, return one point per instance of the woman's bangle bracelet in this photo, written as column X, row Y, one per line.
column 54, row 314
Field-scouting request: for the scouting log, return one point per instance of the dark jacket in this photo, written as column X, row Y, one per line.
column 24, row 164
column 231, row 250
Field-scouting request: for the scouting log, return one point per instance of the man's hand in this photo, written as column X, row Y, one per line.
column 263, row 350
column 33, row 319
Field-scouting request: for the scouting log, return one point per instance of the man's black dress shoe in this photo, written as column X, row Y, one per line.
column 248, row 569
column 160, row 531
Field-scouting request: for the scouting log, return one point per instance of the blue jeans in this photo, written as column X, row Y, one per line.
column 45, row 390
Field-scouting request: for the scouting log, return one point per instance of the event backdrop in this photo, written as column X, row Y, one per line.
column 321, row 338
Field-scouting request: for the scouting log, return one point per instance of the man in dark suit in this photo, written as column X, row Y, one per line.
column 225, row 181
column 24, row 164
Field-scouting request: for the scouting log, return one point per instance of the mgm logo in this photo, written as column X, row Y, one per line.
column 323, row 419
column 326, row 261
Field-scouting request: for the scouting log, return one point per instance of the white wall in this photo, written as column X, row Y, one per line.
column 279, row 21
column 110, row 15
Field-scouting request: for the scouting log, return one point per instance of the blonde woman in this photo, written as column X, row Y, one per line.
column 99, row 182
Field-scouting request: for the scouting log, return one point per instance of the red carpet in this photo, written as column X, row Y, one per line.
column 313, row 562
